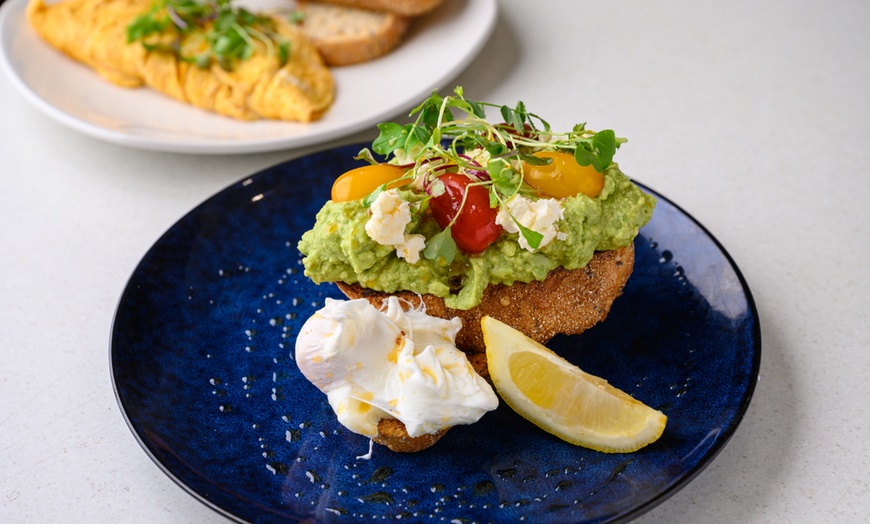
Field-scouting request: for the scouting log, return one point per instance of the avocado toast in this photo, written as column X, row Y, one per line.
column 471, row 218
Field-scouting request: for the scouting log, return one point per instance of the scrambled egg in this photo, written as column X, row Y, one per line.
column 94, row 33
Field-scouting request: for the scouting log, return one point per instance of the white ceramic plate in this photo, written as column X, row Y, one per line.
column 437, row 47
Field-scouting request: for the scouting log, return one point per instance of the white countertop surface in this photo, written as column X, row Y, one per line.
column 754, row 116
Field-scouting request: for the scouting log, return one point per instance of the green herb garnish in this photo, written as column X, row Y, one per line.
column 227, row 33
column 436, row 137
column 441, row 245
column 520, row 133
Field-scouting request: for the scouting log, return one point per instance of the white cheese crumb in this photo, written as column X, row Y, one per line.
column 390, row 216
column 538, row 215
column 411, row 247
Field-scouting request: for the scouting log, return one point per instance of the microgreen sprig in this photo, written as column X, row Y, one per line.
column 229, row 34
column 436, row 135
column 521, row 133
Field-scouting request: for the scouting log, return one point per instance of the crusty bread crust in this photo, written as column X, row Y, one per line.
column 399, row 7
column 348, row 35
column 392, row 434
column 568, row 302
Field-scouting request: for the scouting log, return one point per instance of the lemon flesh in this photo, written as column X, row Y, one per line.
column 562, row 399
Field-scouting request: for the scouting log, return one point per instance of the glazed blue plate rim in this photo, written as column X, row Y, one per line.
column 740, row 413
column 726, row 434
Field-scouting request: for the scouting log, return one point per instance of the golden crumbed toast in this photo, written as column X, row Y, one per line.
column 349, row 35
column 399, row 7
column 392, row 434
column 567, row 301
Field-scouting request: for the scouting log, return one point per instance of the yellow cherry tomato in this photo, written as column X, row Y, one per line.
column 563, row 177
column 361, row 181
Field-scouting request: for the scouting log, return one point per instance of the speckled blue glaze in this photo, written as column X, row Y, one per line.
column 202, row 364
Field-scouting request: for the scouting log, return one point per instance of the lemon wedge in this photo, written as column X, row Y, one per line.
column 562, row 399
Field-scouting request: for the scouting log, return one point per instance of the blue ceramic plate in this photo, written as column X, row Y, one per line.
column 202, row 362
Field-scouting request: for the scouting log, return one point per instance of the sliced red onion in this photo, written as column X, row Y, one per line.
column 177, row 20
column 480, row 174
column 471, row 160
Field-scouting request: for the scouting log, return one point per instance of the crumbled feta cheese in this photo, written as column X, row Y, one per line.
column 538, row 215
column 411, row 247
column 390, row 216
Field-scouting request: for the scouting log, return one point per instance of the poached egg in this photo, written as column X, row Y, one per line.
column 391, row 363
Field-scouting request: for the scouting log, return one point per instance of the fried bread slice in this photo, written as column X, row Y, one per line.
column 566, row 301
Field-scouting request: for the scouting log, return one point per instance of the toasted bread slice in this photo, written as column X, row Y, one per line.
column 399, row 7
column 567, row 301
column 392, row 434
column 349, row 35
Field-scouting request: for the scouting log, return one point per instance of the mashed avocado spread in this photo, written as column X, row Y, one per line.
column 340, row 249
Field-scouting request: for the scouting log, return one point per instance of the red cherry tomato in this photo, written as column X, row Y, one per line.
column 475, row 228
